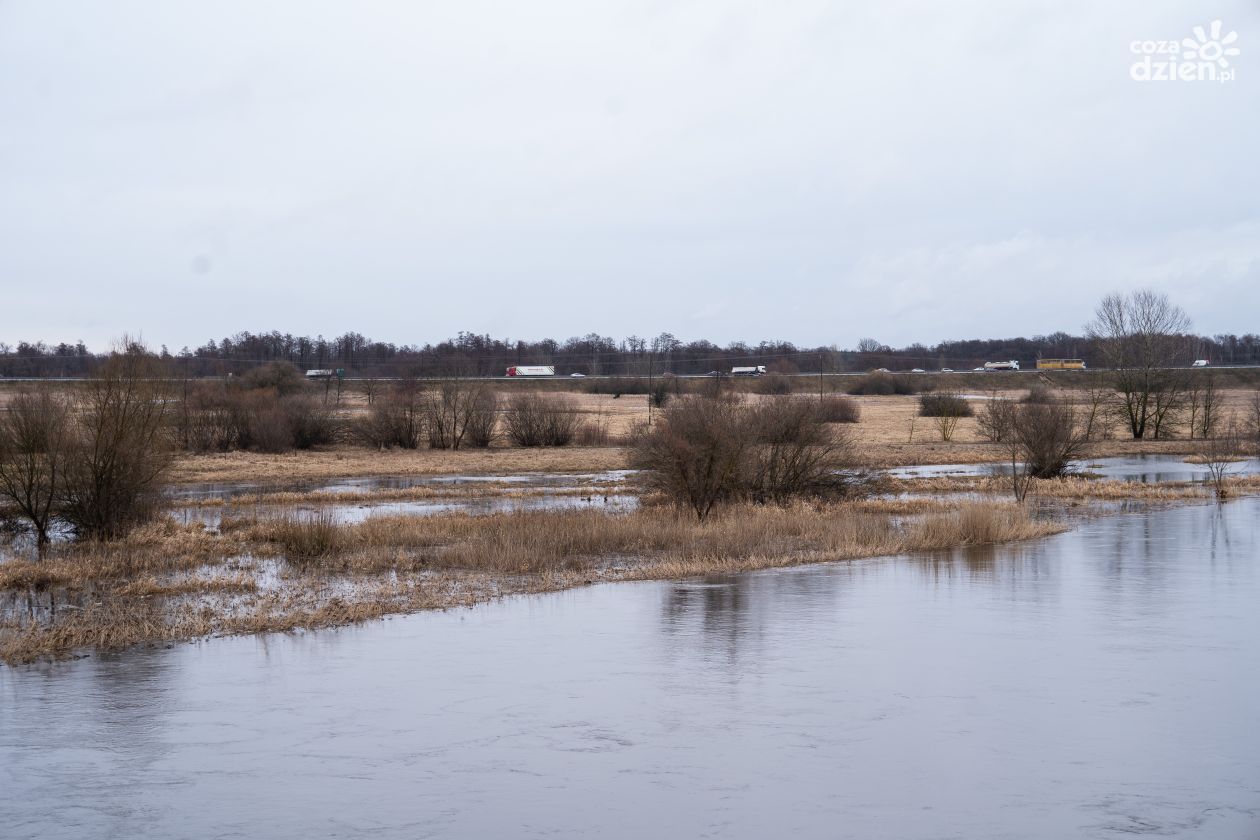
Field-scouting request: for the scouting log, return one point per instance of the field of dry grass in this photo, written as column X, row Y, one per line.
column 352, row 462
column 171, row 582
column 889, row 434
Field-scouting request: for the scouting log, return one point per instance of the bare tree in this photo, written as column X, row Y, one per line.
column 451, row 411
column 1141, row 337
column 1220, row 452
column 995, row 418
column 1201, row 403
column 33, row 436
column 1097, row 417
column 120, row 449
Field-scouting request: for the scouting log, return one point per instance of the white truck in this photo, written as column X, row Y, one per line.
column 532, row 370
column 1011, row 365
column 755, row 370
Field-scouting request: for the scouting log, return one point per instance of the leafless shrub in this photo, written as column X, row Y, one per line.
column 995, row 418
column 794, row 452
column 120, row 450
column 538, row 420
column 880, row 384
column 282, row 377
column 1046, row 438
column 661, row 390
column 1220, row 452
column 396, row 419
column 945, row 425
column 1040, row 394
column 268, row 428
column 838, row 409
column 33, row 436
column 695, row 453
column 705, row 451
column 451, row 410
column 775, row 384
column 206, row 419
column 944, row 404
column 483, row 419
column 592, row 434
column 311, row 422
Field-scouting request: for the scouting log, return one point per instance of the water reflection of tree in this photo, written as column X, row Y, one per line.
column 1146, row 553
column 730, row 615
column 1027, row 571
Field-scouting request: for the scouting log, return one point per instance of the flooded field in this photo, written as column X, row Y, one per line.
column 1096, row 684
column 1145, row 469
column 474, row 494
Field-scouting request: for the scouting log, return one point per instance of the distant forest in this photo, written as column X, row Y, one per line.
column 470, row 354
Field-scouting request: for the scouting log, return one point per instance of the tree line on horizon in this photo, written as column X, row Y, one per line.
column 471, row 354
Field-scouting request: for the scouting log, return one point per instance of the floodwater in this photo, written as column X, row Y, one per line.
column 206, row 492
column 355, row 512
column 1099, row 684
column 542, row 491
column 1146, row 469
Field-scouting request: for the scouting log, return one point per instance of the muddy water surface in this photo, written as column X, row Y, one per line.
column 1099, row 684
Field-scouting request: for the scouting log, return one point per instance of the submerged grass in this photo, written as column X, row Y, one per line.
column 176, row 582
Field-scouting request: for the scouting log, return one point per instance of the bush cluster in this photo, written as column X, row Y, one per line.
column 881, row 384
column 538, row 420
column 220, row 418
column 96, row 460
column 944, row 404
column 705, row 451
column 837, row 409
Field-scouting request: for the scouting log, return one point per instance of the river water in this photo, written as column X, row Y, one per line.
column 1102, row 684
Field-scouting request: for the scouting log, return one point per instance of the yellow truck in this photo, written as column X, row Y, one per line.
column 1060, row 364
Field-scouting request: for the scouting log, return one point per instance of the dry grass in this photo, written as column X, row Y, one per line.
column 1069, row 488
column 354, row 462
column 884, row 434
column 183, row 582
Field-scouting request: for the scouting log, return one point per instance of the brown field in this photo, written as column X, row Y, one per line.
column 889, row 434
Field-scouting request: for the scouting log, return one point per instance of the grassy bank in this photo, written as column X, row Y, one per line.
column 170, row 582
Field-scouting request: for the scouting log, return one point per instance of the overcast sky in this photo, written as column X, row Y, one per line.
column 810, row 171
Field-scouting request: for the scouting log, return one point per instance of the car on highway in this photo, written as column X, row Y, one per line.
column 917, row 370
column 1200, row 363
column 580, row 375
column 947, row 370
